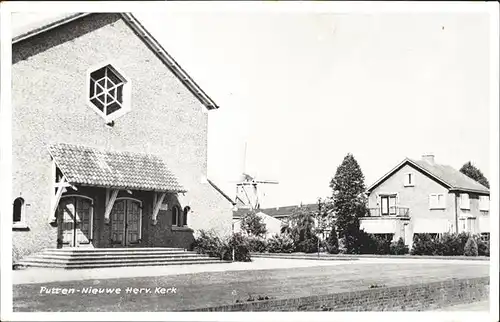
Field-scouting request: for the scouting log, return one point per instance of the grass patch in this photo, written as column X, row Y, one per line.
column 218, row 288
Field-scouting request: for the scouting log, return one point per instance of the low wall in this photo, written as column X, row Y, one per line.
column 417, row 297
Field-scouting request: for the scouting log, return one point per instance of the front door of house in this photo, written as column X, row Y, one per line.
column 126, row 222
column 75, row 221
column 407, row 234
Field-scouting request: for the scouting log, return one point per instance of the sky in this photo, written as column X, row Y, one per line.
column 303, row 89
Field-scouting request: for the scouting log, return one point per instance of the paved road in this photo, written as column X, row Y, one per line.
column 44, row 275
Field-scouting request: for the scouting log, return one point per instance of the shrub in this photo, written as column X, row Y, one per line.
column 342, row 247
column 354, row 239
column 373, row 244
column 366, row 244
column 463, row 238
column 471, row 247
column 485, row 250
column 253, row 225
column 239, row 243
column 449, row 245
column 280, row 244
column 308, row 245
column 423, row 244
column 399, row 247
column 211, row 244
column 257, row 244
column 382, row 245
column 483, row 247
column 332, row 242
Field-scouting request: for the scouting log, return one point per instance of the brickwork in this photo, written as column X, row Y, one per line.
column 418, row 297
column 49, row 106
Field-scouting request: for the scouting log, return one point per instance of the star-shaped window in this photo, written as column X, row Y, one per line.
column 108, row 90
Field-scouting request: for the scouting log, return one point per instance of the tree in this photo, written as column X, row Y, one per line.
column 325, row 215
column 470, row 248
column 253, row 225
column 349, row 201
column 300, row 224
column 474, row 173
column 332, row 242
column 300, row 227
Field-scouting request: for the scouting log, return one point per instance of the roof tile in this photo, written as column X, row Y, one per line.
column 450, row 175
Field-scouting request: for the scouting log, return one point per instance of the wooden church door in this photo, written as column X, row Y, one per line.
column 126, row 222
column 75, row 221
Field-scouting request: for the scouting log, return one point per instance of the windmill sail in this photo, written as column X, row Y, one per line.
column 248, row 193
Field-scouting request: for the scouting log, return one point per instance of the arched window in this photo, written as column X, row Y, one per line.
column 175, row 216
column 185, row 216
column 18, row 210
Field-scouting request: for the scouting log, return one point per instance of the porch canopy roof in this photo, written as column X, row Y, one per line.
column 109, row 169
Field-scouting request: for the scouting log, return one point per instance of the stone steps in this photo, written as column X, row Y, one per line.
column 116, row 264
column 113, row 254
column 114, row 257
column 83, row 250
column 90, row 257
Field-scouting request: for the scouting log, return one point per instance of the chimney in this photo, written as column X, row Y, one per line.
column 429, row 157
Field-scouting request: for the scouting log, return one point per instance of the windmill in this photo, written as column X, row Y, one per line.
column 248, row 194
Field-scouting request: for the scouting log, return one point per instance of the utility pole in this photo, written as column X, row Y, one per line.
column 318, row 219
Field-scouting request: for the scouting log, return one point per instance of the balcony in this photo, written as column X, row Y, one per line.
column 394, row 211
column 392, row 223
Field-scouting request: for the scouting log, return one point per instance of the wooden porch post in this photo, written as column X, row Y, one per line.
column 159, row 201
column 109, row 204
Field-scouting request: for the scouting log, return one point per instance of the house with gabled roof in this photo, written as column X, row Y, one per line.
column 109, row 139
column 422, row 196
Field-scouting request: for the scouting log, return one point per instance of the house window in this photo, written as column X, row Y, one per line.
column 471, row 225
column 464, row 201
column 175, row 216
column 467, row 225
column 185, row 216
column 437, row 201
column 409, row 180
column 462, row 225
column 108, row 92
column 484, row 203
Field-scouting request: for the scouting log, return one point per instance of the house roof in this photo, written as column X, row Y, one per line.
column 120, row 170
column 37, row 26
column 444, row 174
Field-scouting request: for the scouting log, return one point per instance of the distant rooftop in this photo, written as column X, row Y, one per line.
column 276, row 212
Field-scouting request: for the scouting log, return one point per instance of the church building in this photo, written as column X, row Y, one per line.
column 109, row 139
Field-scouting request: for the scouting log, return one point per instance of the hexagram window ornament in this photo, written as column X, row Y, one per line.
column 107, row 91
